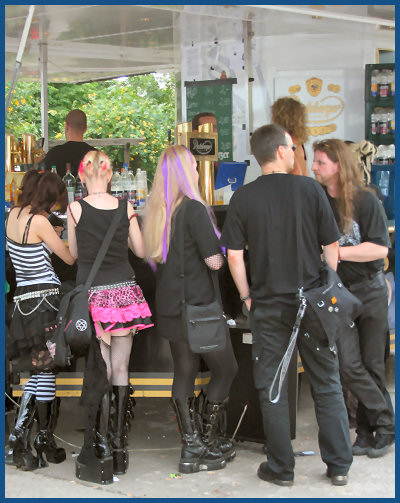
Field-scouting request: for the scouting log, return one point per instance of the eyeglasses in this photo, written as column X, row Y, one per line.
column 293, row 147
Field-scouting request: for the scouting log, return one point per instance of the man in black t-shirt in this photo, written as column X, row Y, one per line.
column 262, row 215
column 74, row 149
column 363, row 245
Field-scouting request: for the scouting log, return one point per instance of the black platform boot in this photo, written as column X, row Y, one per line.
column 119, row 440
column 195, row 454
column 44, row 442
column 95, row 462
column 19, row 453
column 213, row 431
column 102, row 429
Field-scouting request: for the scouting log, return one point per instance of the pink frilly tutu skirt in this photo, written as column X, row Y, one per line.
column 118, row 307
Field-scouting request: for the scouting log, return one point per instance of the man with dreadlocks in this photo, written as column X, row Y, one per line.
column 363, row 245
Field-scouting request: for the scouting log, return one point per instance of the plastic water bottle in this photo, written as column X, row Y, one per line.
column 116, row 188
column 141, row 182
column 125, row 185
column 70, row 183
column 384, row 183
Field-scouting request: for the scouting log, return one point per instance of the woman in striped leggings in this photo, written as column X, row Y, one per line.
column 31, row 240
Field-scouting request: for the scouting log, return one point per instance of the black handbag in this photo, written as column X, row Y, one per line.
column 329, row 309
column 204, row 325
column 73, row 326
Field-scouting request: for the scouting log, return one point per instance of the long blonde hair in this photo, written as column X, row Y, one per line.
column 173, row 180
column 350, row 177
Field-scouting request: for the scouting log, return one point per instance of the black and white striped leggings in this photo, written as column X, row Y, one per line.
column 42, row 385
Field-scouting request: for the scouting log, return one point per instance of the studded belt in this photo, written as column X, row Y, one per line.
column 36, row 294
column 113, row 286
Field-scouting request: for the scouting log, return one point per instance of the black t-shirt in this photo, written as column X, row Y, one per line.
column 262, row 214
column 369, row 224
column 71, row 151
column 200, row 242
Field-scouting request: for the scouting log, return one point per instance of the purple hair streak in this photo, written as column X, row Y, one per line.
column 164, row 169
column 184, row 187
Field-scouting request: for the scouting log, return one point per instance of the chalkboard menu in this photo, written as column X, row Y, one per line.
column 214, row 96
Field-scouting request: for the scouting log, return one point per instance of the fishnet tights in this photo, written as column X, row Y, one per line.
column 117, row 357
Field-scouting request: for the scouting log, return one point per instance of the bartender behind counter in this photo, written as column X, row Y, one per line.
column 74, row 149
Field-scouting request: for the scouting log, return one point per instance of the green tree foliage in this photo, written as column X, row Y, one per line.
column 129, row 107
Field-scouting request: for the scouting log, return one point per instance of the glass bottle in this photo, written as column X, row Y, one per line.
column 70, row 183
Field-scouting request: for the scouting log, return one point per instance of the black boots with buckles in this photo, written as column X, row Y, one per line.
column 195, row 454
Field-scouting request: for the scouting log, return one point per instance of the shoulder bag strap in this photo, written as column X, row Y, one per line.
column 299, row 235
column 104, row 247
column 181, row 248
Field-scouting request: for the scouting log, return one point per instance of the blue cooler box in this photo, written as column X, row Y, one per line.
column 382, row 175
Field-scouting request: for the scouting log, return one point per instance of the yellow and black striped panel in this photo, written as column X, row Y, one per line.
column 146, row 384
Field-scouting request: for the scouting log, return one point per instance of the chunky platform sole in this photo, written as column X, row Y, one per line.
column 52, row 457
column 100, row 472
column 197, row 466
column 26, row 461
column 120, row 461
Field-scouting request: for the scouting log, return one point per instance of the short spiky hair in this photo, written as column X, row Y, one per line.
column 264, row 142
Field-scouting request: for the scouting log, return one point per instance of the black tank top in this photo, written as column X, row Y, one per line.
column 90, row 232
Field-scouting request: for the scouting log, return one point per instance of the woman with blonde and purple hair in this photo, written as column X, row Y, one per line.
column 175, row 187
column 117, row 307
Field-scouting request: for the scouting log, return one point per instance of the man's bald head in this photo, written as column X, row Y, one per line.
column 76, row 120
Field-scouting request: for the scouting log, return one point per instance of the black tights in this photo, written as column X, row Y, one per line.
column 222, row 365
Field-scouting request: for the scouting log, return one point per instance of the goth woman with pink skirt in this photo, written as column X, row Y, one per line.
column 118, row 310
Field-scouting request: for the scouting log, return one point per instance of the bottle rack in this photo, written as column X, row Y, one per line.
column 381, row 102
column 378, row 104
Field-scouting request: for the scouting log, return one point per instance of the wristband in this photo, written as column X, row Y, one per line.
column 245, row 298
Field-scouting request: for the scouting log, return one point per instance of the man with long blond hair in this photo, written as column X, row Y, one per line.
column 363, row 244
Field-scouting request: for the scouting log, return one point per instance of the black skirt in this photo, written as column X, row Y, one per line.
column 170, row 327
column 29, row 320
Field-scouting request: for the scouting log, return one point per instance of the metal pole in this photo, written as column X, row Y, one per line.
column 43, row 57
column 20, row 53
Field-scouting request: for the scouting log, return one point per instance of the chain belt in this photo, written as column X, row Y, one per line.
column 35, row 294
